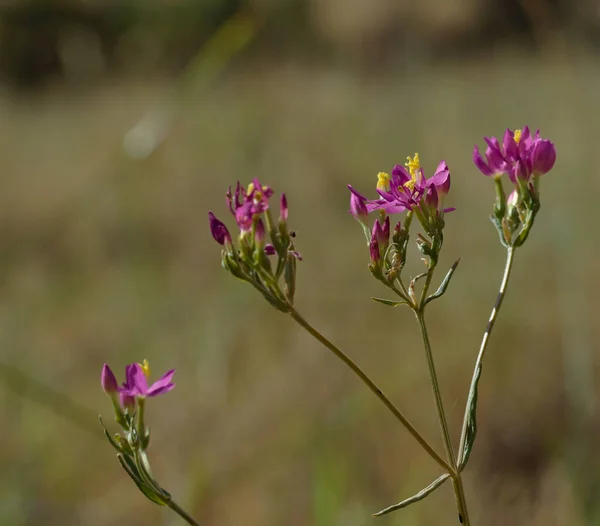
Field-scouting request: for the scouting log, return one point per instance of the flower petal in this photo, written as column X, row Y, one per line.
column 136, row 380
column 160, row 384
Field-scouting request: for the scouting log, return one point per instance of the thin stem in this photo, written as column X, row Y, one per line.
column 436, row 390
column 461, row 502
column 373, row 387
column 426, row 288
column 484, row 342
column 182, row 513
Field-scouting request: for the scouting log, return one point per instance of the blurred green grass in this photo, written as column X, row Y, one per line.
column 106, row 257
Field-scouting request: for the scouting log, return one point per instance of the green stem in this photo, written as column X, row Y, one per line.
column 182, row 513
column 141, row 427
column 436, row 390
column 373, row 387
column 426, row 288
column 484, row 343
column 456, row 476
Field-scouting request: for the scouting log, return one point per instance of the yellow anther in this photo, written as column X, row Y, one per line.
column 383, row 181
column 413, row 165
column 517, row 135
column 145, row 367
column 410, row 185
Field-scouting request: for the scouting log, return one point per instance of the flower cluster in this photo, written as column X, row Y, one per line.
column 251, row 260
column 129, row 407
column 408, row 190
column 522, row 157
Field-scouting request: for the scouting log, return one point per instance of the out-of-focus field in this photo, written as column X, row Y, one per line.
column 107, row 257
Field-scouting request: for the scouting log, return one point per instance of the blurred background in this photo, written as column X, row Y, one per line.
column 123, row 123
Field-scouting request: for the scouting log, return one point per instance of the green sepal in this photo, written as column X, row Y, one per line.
column 289, row 277
column 389, row 303
column 129, row 466
column 444, row 284
column 415, row 498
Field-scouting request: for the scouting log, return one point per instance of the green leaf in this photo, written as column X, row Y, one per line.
column 129, row 466
column 112, row 441
column 415, row 498
column 389, row 303
column 444, row 285
column 471, row 429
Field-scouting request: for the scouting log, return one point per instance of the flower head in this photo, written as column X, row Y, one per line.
column 407, row 188
column 136, row 382
column 246, row 205
column 520, row 156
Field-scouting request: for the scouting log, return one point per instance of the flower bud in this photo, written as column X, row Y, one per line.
column 358, row 208
column 543, row 156
column 283, row 209
column 374, row 251
column 108, row 381
column 218, row 230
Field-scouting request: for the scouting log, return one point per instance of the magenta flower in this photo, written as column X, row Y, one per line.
column 136, row 383
column 520, row 156
column 108, row 381
column 245, row 205
column 218, row 230
column 407, row 189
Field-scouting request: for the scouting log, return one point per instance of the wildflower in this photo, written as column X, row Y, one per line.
column 260, row 239
column 136, row 382
column 520, row 156
column 406, row 188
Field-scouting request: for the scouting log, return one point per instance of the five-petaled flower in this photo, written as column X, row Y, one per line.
column 136, row 383
column 406, row 188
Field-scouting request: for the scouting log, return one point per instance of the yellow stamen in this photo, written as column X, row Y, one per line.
column 145, row 367
column 383, row 181
column 517, row 135
column 413, row 165
column 250, row 189
column 410, row 185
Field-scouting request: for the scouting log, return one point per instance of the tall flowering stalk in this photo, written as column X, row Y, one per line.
column 519, row 161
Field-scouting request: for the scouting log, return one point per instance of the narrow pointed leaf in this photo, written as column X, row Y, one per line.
column 389, row 303
column 112, row 441
column 471, row 429
column 444, row 284
column 415, row 498
column 131, row 470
